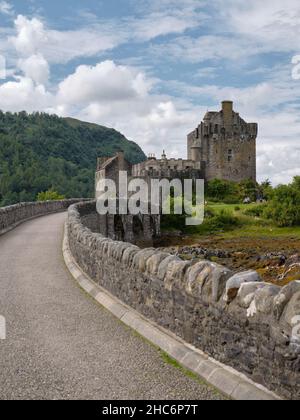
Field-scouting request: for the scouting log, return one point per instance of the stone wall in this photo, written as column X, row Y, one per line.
column 13, row 215
column 237, row 319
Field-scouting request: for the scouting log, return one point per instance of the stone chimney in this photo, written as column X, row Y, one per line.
column 227, row 108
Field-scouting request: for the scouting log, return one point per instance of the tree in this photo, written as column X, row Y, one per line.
column 221, row 190
column 49, row 195
column 284, row 206
column 39, row 152
column 265, row 190
column 248, row 188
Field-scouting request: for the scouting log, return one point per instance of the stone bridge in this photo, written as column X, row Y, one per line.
column 61, row 345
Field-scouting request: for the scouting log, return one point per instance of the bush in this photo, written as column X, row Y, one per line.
column 248, row 188
column 49, row 195
column 231, row 200
column 214, row 222
column 218, row 190
column 237, row 208
column 256, row 211
column 229, row 192
column 208, row 212
column 223, row 220
column 284, row 207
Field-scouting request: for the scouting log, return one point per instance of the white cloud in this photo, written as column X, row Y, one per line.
column 107, row 94
column 36, row 68
column 6, row 8
column 22, row 94
column 278, row 147
column 33, row 37
column 124, row 97
column 166, row 23
column 104, row 82
column 239, row 30
column 206, row 47
column 272, row 22
column 163, row 17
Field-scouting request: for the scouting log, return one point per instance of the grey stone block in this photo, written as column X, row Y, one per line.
column 234, row 283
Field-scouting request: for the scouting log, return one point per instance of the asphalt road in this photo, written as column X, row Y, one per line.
column 60, row 344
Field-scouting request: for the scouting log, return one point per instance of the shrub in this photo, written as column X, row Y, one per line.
column 229, row 192
column 50, row 195
column 220, row 190
column 223, row 220
column 208, row 212
column 231, row 200
column 256, row 211
column 284, row 207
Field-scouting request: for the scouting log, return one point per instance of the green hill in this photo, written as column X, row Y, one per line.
column 41, row 151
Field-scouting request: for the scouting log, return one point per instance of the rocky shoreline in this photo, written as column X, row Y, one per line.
column 274, row 267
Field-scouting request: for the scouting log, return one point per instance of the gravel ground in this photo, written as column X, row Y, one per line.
column 60, row 344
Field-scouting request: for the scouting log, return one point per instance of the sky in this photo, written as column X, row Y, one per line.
column 152, row 68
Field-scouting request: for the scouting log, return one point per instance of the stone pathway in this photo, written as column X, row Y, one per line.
column 60, row 344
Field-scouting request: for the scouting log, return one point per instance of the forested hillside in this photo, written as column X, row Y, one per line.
column 40, row 151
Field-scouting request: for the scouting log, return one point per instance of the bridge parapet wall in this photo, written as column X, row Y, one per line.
column 11, row 216
column 235, row 318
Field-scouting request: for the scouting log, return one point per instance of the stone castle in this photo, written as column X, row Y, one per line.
column 223, row 146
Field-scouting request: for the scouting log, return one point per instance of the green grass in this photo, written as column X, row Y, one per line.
column 250, row 226
column 259, row 230
column 230, row 207
column 231, row 221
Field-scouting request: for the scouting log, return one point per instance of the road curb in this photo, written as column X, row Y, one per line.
column 227, row 380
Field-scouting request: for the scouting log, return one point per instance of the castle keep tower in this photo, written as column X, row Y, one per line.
column 224, row 145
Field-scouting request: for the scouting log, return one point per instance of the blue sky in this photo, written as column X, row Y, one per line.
column 151, row 69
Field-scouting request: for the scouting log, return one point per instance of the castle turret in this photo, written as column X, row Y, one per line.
column 196, row 152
